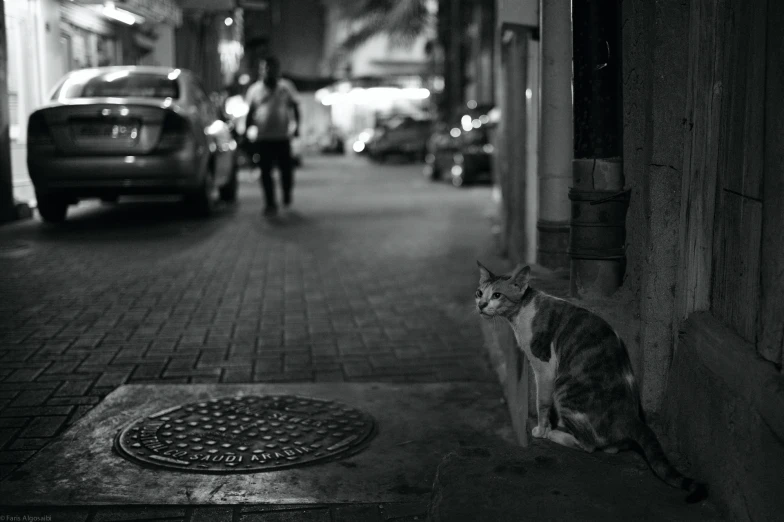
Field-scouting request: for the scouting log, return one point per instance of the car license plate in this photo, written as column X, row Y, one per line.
column 126, row 131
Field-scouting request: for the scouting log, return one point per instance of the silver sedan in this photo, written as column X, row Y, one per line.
column 113, row 131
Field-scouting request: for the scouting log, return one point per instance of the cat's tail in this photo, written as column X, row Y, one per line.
column 646, row 439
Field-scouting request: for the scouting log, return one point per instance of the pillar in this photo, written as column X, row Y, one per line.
column 555, row 158
column 7, row 211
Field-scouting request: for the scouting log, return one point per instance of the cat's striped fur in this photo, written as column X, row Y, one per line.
column 587, row 396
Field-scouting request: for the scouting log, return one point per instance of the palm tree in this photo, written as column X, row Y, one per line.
column 402, row 20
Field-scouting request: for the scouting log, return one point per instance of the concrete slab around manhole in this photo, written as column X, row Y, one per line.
column 417, row 425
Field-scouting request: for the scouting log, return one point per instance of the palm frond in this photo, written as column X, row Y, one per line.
column 402, row 20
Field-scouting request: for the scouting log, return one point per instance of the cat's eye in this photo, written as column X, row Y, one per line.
column 478, row 294
column 496, row 295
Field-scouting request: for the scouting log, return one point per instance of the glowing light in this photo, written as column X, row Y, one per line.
column 529, row 93
column 471, row 104
column 116, row 76
column 244, row 79
column 228, row 21
column 476, row 123
column 455, row 132
column 130, row 159
column 124, row 111
column 121, row 15
column 465, row 121
column 484, row 118
column 488, row 148
column 457, row 171
column 236, row 106
column 359, row 146
column 174, row 74
column 365, row 135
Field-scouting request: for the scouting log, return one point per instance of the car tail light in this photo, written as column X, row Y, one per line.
column 174, row 133
column 38, row 133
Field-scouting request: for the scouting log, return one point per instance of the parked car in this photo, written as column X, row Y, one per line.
column 472, row 162
column 440, row 151
column 332, row 142
column 113, row 131
column 401, row 136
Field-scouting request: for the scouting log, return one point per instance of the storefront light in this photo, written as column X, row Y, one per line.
column 121, row 15
column 465, row 122
column 228, row 21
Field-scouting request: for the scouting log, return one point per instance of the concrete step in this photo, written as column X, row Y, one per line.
column 548, row 482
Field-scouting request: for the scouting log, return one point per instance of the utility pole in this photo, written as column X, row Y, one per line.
column 7, row 210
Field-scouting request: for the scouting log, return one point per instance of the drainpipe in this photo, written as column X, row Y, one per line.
column 7, row 209
column 555, row 158
column 599, row 203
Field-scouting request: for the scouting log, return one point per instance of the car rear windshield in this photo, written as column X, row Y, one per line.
column 118, row 84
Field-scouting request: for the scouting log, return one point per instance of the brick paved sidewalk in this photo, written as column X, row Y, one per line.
column 369, row 278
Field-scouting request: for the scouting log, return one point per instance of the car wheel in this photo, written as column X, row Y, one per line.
column 52, row 208
column 200, row 202
column 228, row 192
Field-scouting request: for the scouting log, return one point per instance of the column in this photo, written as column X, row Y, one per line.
column 555, row 158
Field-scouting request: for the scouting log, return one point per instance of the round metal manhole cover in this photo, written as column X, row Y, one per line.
column 246, row 434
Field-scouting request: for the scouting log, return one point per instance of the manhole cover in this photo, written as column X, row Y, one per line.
column 246, row 434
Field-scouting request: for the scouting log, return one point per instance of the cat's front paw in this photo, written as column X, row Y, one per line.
column 539, row 432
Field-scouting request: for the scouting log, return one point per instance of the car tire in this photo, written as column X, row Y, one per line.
column 52, row 208
column 200, row 202
column 228, row 192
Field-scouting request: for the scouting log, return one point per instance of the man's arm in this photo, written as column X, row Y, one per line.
column 293, row 102
column 295, row 109
column 250, row 99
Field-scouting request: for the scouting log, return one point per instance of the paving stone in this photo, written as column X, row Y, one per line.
column 46, row 514
column 405, row 510
column 292, row 515
column 357, row 513
column 43, row 426
column 212, row 514
column 74, row 388
column 15, row 456
column 118, row 514
column 31, row 398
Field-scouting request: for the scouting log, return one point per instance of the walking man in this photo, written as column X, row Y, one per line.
column 272, row 106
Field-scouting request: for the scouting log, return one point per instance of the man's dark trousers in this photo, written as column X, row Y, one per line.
column 272, row 153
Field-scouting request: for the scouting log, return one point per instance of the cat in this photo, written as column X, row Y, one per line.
column 586, row 394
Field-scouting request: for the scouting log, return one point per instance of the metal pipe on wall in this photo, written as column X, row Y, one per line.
column 557, row 128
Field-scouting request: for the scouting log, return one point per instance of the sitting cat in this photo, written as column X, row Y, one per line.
column 583, row 373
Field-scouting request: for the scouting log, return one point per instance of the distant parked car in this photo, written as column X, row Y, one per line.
column 440, row 151
column 113, row 131
column 331, row 142
column 406, row 137
column 472, row 162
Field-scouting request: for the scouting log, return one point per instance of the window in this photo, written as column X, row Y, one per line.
column 121, row 84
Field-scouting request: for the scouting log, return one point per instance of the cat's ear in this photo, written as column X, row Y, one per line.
column 484, row 274
column 520, row 276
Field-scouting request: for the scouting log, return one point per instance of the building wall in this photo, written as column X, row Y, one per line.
column 655, row 66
